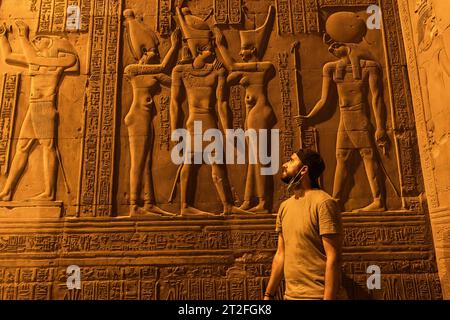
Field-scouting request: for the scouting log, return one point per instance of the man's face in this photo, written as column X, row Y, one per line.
column 290, row 169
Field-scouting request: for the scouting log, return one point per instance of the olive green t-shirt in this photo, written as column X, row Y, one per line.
column 302, row 222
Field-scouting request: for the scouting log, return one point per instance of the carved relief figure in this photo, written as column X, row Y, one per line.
column 434, row 66
column 47, row 58
column 353, row 77
column 203, row 78
column 253, row 74
column 145, row 76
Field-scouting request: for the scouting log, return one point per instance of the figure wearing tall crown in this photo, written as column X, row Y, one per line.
column 254, row 75
column 145, row 77
column 203, row 78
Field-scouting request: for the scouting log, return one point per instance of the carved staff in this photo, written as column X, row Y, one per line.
column 58, row 155
column 298, row 86
column 174, row 186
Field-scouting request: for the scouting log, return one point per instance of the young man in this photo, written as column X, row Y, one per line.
column 310, row 235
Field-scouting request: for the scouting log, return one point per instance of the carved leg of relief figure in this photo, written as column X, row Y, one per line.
column 223, row 189
column 24, row 145
column 43, row 117
column 50, row 170
column 371, row 166
column 341, row 174
column 260, row 190
column 18, row 165
column 249, row 187
column 137, row 122
column 149, row 200
column 185, row 176
column 138, row 152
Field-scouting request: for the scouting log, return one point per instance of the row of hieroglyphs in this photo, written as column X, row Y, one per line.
column 184, row 282
column 355, row 237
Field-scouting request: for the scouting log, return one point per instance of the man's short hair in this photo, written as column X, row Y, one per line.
column 315, row 164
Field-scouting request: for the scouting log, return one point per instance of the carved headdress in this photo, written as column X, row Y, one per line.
column 140, row 38
column 58, row 44
column 196, row 31
column 426, row 24
column 258, row 38
column 347, row 29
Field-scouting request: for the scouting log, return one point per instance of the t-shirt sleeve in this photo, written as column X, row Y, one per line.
column 329, row 218
column 280, row 217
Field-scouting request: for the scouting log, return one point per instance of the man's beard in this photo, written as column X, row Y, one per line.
column 287, row 179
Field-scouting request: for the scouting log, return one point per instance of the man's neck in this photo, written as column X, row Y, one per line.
column 302, row 189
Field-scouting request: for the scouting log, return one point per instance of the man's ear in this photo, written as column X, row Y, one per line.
column 304, row 170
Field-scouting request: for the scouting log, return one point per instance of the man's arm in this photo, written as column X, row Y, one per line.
column 332, row 244
column 175, row 100
column 222, row 101
column 277, row 270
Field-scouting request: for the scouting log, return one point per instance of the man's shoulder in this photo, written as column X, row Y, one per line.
column 283, row 204
column 320, row 196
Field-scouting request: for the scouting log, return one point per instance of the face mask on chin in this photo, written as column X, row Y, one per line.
column 292, row 181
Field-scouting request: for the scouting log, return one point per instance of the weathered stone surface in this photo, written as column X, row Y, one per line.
column 87, row 112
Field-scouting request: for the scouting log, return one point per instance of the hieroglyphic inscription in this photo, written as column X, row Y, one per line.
column 340, row 3
column 284, row 16
column 357, row 236
column 95, row 192
column 236, row 107
column 221, row 11
column 8, row 104
column 53, row 15
column 46, row 16
column 312, row 16
column 164, row 123
column 85, row 8
column 139, row 242
column 404, row 124
column 164, row 21
column 59, row 15
column 228, row 11
column 287, row 134
column 234, row 11
column 298, row 16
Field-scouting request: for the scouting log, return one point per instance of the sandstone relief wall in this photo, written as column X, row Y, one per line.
column 426, row 29
column 92, row 91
